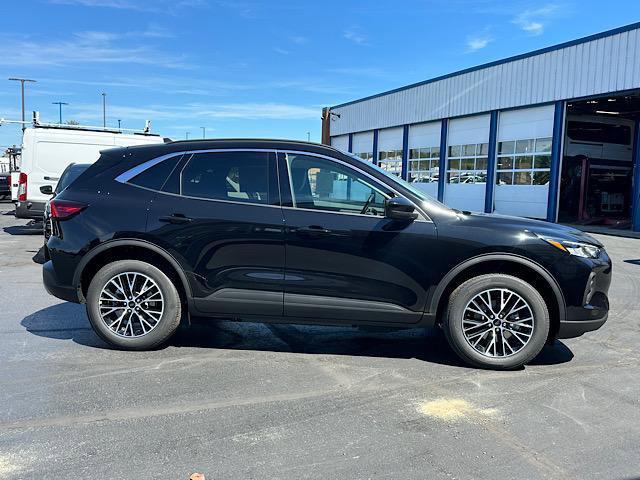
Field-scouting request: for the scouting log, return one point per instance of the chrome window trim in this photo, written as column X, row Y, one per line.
column 126, row 176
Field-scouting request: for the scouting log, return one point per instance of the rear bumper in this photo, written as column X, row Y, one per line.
column 32, row 210
column 53, row 286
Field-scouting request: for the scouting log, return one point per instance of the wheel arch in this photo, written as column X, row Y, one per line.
column 134, row 249
column 502, row 263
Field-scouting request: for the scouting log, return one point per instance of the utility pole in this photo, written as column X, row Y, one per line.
column 22, row 80
column 186, row 135
column 104, row 110
column 119, row 123
column 60, row 105
column 308, row 136
column 204, row 129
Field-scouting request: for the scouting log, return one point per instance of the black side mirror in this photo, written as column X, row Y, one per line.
column 46, row 190
column 399, row 208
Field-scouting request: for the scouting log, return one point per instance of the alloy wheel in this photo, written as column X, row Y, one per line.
column 131, row 304
column 498, row 323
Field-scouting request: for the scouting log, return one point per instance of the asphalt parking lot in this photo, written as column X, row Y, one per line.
column 259, row 401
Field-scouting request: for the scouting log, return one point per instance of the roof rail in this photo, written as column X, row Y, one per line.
column 90, row 128
column 145, row 131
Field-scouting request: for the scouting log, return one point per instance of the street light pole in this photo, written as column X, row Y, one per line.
column 186, row 135
column 104, row 110
column 22, row 80
column 204, row 129
column 60, row 105
column 119, row 121
column 308, row 136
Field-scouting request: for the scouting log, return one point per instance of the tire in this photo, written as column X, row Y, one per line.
column 133, row 337
column 500, row 357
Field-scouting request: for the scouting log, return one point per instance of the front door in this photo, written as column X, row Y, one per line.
column 345, row 262
column 219, row 215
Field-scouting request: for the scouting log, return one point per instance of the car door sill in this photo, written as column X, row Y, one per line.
column 348, row 309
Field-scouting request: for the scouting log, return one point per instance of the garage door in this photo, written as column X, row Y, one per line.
column 467, row 151
column 390, row 150
column 340, row 142
column 424, row 156
column 523, row 162
column 363, row 145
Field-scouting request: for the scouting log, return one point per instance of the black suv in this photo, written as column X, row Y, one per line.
column 283, row 231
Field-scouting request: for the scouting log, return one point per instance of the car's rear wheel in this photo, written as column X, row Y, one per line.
column 497, row 321
column 133, row 305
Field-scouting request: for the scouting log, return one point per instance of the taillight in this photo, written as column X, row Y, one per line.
column 64, row 209
column 22, row 187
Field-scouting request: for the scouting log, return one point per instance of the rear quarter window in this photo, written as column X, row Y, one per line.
column 155, row 177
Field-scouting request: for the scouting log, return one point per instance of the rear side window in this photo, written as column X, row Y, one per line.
column 233, row 176
column 154, row 177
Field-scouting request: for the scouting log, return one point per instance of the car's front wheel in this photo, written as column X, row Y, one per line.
column 497, row 321
column 133, row 305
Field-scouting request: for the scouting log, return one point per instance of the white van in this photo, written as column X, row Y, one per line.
column 48, row 150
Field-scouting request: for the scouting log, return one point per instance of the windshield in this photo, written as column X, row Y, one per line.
column 416, row 191
column 69, row 175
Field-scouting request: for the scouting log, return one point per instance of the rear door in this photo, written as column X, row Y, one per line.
column 345, row 262
column 219, row 214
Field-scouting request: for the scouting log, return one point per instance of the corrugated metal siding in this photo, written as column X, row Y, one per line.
column 600, row 66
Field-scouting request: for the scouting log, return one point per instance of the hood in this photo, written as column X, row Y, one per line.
column 526, row 225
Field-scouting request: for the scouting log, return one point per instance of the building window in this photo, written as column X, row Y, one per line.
column 524, row 162
column 391, row 161
column 366, row 156
column 423, row 164
column 467, row 163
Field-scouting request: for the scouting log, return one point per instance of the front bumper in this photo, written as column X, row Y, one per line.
column 54, row 287
column 590, row 309
column 572, row 329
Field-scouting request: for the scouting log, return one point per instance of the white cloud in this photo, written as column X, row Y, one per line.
column 355, row 35
column 281, row 51
column 300, row 40
column 359, row 71
column 88, row 47
column 206, row 87
column 121, row 4
column 86, row 113
column 533, row 21
column 159, row 6
column 478, row 42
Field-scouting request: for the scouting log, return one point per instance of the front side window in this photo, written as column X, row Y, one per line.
column 232, row 176
column 320, row 184
column 524, row 162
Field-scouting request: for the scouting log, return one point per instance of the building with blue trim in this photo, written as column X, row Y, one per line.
column 552, row 134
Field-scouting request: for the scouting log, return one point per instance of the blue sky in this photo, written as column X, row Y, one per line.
column 258, row 68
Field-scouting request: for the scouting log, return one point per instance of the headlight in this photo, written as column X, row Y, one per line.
column 578, row 249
